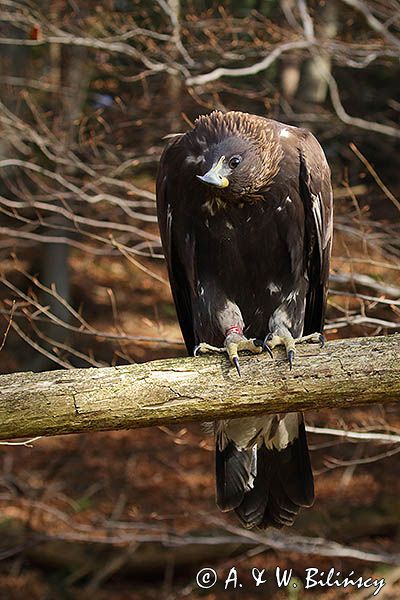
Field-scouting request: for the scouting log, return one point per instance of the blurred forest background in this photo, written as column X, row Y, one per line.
column 88, row 90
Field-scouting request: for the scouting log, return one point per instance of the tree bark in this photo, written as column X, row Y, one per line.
column 349, row 372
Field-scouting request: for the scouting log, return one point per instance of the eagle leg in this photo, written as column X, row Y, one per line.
column 234, row 343
column 289, row 342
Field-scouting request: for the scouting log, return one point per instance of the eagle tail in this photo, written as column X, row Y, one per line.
column 266, row 484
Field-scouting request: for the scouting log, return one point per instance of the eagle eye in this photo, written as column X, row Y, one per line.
column 234, row 161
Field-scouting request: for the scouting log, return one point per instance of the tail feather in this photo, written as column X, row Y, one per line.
column 233, row 471
column 266, row 487
column 255, row 501
column 295, row 470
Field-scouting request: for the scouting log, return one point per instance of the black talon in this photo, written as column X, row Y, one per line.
column 196, row 350
column 290, row 356
column 235, row 361
column 265, row 345
column 322, row 340
column 268, row 349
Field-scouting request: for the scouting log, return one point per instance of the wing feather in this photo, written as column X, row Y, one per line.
column 316, row 193
column 167, row 197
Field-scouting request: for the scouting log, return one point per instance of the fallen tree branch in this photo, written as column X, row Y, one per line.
column 71, row 550
column 348, row 372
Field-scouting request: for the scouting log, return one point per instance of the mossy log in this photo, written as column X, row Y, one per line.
column 344, row 373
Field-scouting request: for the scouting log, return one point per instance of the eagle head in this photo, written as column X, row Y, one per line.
column 238, row 154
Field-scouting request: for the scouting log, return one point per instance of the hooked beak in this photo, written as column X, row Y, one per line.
column 216, row 175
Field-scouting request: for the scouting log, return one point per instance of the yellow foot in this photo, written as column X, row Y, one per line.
column 272, row 340
column 233, row 344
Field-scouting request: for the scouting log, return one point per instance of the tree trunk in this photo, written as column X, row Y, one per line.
column 70, row 76
column 317, row 68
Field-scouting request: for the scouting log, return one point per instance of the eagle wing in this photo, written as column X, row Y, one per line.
column 169, row 195
column 316, row 194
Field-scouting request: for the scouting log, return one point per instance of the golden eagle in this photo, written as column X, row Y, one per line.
column 245, row 214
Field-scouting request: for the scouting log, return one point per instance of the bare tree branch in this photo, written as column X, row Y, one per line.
column 358, row 436
column 262, row 65
column 372, row 21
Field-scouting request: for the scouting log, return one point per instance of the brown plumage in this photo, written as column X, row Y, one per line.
column 245, row 214
column 267, row 152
